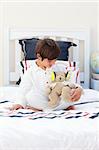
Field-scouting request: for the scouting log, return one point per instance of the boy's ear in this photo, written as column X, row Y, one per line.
column 39, row 56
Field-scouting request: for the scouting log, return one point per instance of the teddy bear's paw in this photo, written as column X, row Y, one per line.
column 52, row 104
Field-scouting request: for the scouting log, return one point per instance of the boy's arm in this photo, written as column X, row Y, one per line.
column 80, row 87
column 24, row 87
column 76, row 93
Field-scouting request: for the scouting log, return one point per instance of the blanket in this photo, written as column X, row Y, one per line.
column 61, row 114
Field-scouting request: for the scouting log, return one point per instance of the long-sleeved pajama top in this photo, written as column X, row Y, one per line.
column 32, row 90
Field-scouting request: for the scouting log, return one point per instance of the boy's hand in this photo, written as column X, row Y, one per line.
column 32, row 108
column 76, row 94
column 16, row 106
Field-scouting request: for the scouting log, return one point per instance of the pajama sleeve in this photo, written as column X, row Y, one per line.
column 25, row 86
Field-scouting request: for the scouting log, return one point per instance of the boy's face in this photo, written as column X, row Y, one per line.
column 48, row 63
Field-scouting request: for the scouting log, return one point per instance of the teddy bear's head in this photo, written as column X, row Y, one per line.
column 58, row 76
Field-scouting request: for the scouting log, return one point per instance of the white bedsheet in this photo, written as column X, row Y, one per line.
column 82, row 133
column 22, row 134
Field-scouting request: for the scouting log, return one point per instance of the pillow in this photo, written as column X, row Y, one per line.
column 24, row 65
column 90, row 95
column 28, row 48
column 64, row 47
column 69, row 67
column 8, row 93
column 66, row 66
column 87, row 100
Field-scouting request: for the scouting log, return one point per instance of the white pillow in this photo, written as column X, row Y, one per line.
column 59, row 66
column 8, row 93
column 89, row 96
column 70, row 67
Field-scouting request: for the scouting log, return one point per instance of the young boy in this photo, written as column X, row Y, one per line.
column 32, row 93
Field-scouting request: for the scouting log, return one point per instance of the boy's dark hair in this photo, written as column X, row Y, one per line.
column 47, row 48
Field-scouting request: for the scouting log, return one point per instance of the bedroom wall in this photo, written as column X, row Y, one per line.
column 60, row 15
column 98, row 28
column 1, row 45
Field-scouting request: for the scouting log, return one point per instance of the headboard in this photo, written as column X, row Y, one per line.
column 79, row 37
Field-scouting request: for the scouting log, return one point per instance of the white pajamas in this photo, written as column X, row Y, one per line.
column 33, row 89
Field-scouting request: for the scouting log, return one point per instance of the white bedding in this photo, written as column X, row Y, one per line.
column 74, row 130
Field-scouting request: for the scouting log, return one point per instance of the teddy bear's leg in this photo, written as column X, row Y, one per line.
column 66, row 93
column 54, row 100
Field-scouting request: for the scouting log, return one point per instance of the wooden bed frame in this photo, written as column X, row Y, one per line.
column 77, row 36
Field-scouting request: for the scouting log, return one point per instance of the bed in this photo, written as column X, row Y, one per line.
column 53, row 130
column 24, row 129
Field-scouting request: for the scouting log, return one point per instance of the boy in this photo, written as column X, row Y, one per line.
column 32, row 93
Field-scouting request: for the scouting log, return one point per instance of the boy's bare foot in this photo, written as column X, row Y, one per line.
column 70, row 108
column 16, row 107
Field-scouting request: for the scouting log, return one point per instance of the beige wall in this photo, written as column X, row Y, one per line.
column 53, row 15
column 60, row 15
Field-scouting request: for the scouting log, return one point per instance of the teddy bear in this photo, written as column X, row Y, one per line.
column 59, row 88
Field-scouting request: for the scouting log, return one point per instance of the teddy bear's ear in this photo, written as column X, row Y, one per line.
column 67, row 75
column 53, row 76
